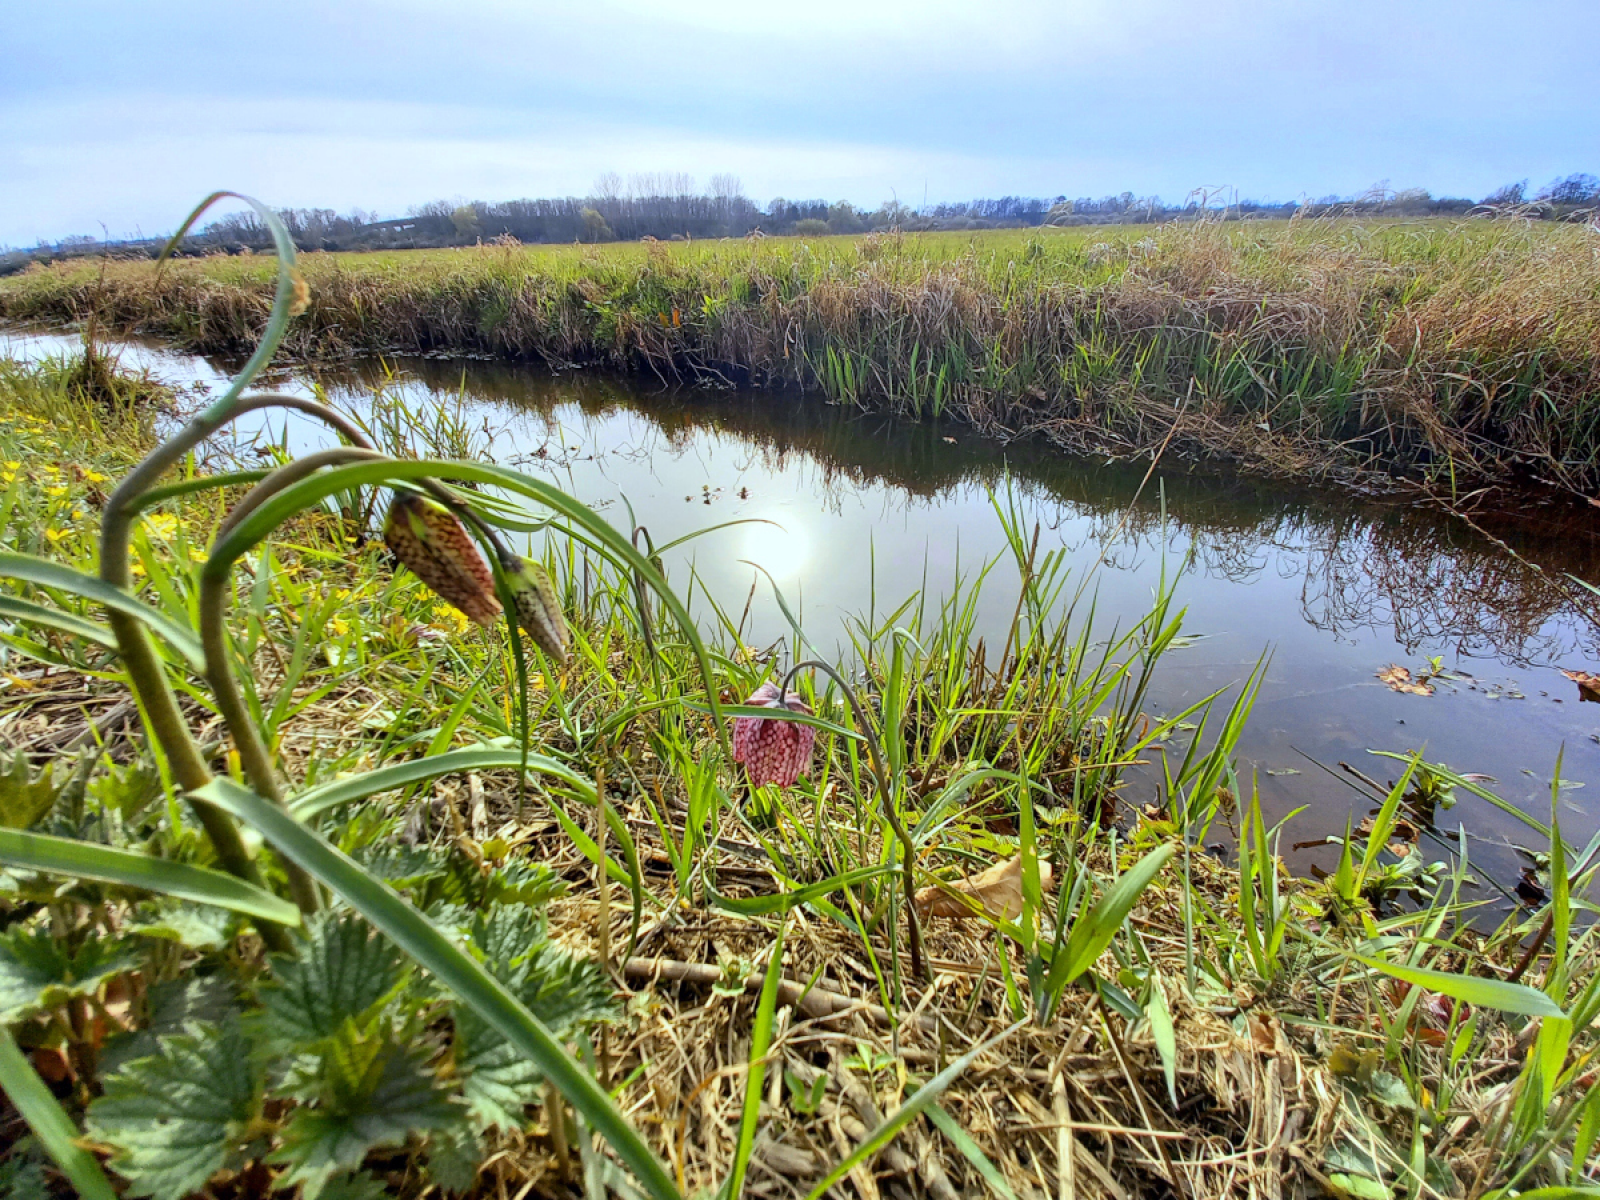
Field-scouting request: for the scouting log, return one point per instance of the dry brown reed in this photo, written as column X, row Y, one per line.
column 1311, row 349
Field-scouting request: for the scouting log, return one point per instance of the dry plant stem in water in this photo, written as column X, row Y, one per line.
column 908, row 849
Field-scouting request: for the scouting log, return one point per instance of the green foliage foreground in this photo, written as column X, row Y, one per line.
column 243, row 949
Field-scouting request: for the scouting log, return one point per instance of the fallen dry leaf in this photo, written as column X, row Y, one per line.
column 998, row 891
column 1588, row 684
column 1399, row 679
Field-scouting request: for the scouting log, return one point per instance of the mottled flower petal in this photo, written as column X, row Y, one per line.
column 432, row 542
column 773, row 751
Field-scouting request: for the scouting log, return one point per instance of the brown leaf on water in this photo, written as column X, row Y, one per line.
column 1399, row 680
column 1588, row 684
column 997, row 891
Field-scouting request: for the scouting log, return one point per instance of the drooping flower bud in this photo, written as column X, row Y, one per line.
column 538, row 611
column 428, row 538
column 773, row 751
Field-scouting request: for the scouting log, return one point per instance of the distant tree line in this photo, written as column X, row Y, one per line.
column 670, row 207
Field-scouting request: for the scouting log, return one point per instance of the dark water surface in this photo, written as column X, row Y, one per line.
column 1336, row 588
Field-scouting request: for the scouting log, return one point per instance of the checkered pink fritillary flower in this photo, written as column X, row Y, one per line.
column 773, row 751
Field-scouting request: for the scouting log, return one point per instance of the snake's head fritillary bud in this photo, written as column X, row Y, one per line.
column 300, row 296
column 428, row 538
column 773, row 751
column 538, row 611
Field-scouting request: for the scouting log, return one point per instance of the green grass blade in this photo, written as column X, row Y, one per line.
column 314, row 490
column 1485, row 993
column 53, row 618
column 321, row 798
column 44, row 573
column 455, row 970
column 1093, row 933
column 188, row 487
column 760, row 1040
column 50, row 1124
column 756, row 906
column 915, row 1105
column 962, row 1140
column 85, row 860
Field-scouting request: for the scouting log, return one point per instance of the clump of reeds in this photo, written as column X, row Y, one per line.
column 1446, row 350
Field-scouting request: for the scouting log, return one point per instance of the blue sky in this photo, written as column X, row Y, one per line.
column 124, row 114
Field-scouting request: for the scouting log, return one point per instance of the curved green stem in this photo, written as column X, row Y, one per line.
column 254, row 756
column 919, row 966
column 146, row 676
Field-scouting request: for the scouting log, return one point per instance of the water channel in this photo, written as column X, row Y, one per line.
column 866, row 506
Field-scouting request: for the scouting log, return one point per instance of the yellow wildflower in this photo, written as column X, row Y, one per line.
column 451, row 619
column 55, row 490
column 337, row 627
column 95, row 477
column 55, row 535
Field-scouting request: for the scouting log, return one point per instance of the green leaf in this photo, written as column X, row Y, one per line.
column 54, row 1129
column 178, row 1117
column 22, row 1179
column 1165, row 1036
column 341, row 972
column 44, row 573
column 560, row 989
column 173, row 1006
column 783, row 901
column 25, row 799
column 756, row 1072
column 916, row 1104
column 360, row 1186
column 454, row 1155
column 498, row 1081
column 457, row 971
column 86, row 860
column 1485, row 993
column 37, row 973
column 386, row 779
column 1093, row 932
column 81, row 628
column 963, row 1142
column 375, row 1093
column 197, row 926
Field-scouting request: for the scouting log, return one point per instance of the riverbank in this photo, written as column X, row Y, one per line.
column 1451, row 353
column 1189, row 1026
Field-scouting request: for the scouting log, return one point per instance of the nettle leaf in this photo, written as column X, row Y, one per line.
column 172, row 1007
column 22, row 1179
column 454, row 1156
column 178, row 1117
column 402, row 867
column 126, row 790
column 523, row 882
column 36, row 972
column 342, row 972
column 561, row 989
column 505, row 936
column 497, row 1081
column 25, row 798
column 360, row 1186
column 198, row 926
column 375, row 1092
column 565, row 991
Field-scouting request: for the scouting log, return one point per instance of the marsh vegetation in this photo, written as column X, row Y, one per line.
column 323, row 886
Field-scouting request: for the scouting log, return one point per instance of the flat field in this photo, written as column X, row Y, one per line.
column 1443, row 350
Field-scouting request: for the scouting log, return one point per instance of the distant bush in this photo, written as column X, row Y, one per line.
column 811, row 227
